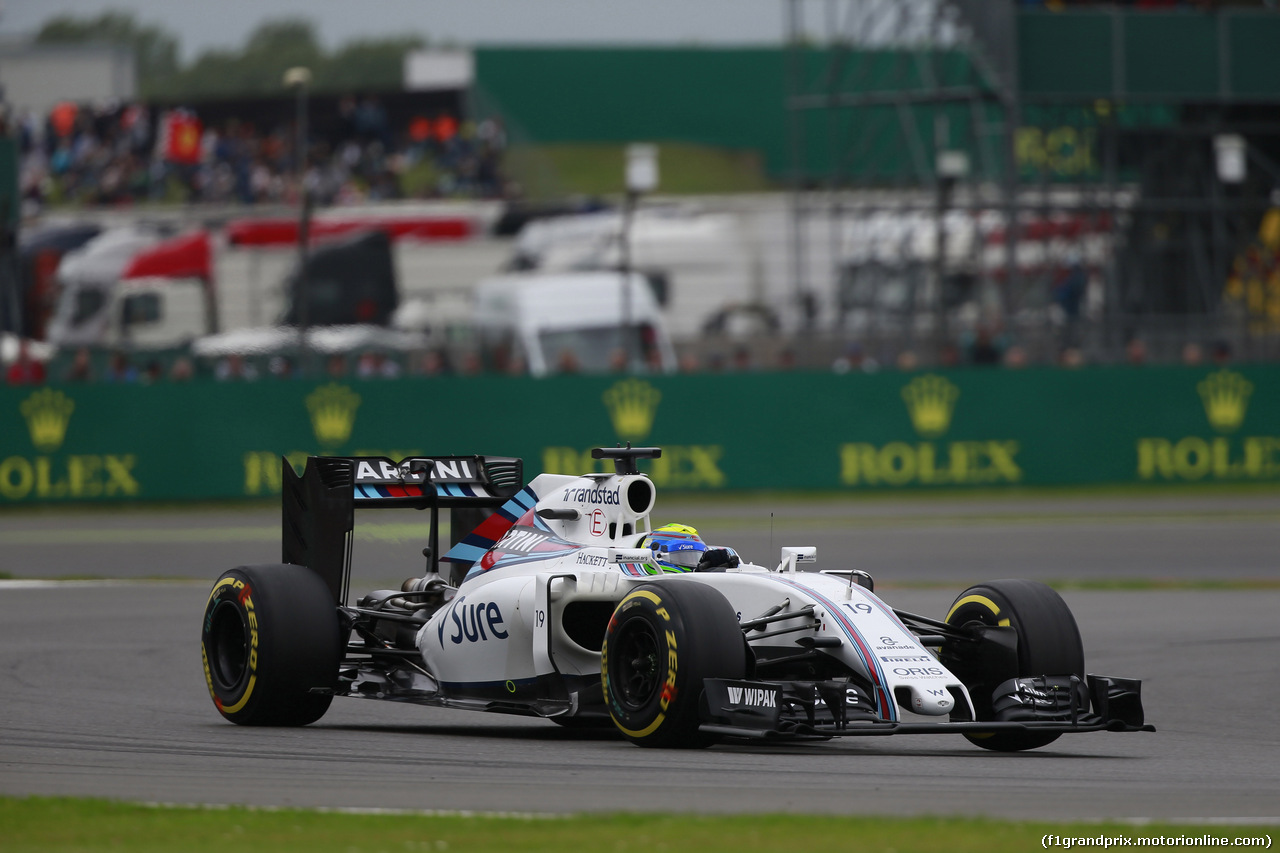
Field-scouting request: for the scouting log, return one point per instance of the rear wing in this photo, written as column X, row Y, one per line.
column 318, row 508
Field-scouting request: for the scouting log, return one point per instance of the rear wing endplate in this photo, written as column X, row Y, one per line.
column 318, row 506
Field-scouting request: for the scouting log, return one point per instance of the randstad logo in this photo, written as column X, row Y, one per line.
column 1225, row 397
column 47, row 413
column 333, row 413
column 632, row 405
column 931, row 402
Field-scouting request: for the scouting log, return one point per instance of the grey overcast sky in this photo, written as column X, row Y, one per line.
column 204, row 24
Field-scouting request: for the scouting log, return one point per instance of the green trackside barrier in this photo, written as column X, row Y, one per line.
column 946, row 429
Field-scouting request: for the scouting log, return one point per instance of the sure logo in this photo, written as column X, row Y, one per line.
column 472, row 623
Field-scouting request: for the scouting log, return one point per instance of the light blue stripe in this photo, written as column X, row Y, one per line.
column 466, row 553
column 850, row 629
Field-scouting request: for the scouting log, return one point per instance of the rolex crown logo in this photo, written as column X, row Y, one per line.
column 632, row 404
column 333, row 413
column 930, row 400
column 1226, row 398
column 47, row 412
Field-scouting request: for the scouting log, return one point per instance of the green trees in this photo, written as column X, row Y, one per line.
column 155, row 50
column 256, row 68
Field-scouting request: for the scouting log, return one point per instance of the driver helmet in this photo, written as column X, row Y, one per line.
column 676, row 547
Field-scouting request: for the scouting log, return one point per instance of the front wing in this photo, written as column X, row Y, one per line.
column 803, row 710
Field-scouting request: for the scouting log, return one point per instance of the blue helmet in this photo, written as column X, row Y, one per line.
column 677, row 547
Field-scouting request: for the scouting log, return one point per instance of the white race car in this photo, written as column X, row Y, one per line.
column 564, row 602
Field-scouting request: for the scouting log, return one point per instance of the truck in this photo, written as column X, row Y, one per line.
column 699, row 264
column 131, row 288
column 563, row 322
column 152, row 285
column 135, row 286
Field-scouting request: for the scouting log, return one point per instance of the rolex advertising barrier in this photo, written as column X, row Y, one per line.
column 956, row 429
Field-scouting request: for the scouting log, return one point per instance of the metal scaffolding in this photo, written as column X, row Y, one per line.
column 938, row 208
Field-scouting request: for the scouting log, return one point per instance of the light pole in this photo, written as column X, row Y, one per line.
column 1231, row 161
column 641, row 177
column 951, row 167
column 298, row 79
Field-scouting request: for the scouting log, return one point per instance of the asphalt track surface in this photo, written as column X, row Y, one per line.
column 103, row 692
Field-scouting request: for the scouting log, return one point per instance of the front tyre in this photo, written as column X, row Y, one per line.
column 663, row 641
column 1048, row 644
column 269, row 638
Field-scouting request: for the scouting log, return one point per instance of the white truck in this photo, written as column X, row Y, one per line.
column 561, row 322
column 132, row 287
column 701, row 263
column 136, row 285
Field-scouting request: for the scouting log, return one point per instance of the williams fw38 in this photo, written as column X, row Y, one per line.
column 560, row 599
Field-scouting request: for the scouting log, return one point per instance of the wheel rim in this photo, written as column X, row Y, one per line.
column 229, row 645
column 634, row 668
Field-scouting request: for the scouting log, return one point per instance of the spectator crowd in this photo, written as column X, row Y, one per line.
column 120, row 154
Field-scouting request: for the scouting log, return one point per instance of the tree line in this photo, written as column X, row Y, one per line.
column 255, row 69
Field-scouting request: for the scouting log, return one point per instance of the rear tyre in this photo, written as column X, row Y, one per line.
column 663, row 641
column 1048, row 644
column 270, row 637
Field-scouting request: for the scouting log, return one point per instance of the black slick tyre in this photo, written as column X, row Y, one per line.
column 271, row 645
column 663, row 641
column 1048, row 644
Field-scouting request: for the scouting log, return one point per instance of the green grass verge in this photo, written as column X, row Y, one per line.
column 1119, row 585
column 46, row 824
column 1085, row 585
column 552, row 171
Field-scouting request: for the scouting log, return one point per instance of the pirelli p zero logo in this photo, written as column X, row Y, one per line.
column 230, row 682
column 635, row 713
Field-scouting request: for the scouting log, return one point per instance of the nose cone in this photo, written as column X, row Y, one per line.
column 933, row 702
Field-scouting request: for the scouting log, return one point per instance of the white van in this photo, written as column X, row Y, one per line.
column 572, row 322
column 702, row 261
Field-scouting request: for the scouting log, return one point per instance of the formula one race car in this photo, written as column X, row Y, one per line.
column 563, row 601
